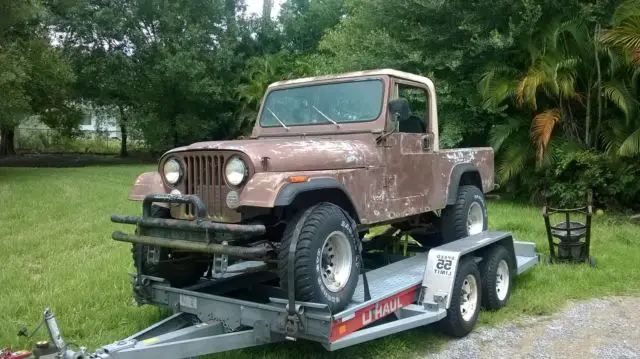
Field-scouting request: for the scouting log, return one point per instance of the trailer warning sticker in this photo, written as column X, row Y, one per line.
column 188, row 301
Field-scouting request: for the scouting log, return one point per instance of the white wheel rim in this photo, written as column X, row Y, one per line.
column 469, row 297
column 502, row 279
column 336, row 261
column 475, row 219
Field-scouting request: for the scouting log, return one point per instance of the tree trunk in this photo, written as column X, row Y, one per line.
column 123, row 132
column 587, row 130
column 599, row 94
column 7, row 138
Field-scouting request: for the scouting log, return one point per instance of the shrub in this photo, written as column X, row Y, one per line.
column 614, row 180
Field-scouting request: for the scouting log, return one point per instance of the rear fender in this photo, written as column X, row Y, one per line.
column 147, row 183
column 455, row 180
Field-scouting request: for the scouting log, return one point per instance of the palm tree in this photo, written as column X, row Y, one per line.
column 570, row 81
column 625, row 32
column 549, row 89
column 624, row 137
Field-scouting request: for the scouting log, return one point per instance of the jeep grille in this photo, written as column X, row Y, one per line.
column 204, row 177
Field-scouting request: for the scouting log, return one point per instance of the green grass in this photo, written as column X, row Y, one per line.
column 57, row 252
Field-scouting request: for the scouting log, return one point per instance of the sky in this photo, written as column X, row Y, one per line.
column 255, row 6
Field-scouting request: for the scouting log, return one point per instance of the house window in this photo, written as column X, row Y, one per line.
column 86, row 119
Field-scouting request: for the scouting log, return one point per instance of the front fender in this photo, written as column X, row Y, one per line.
column 262, row 189
column 268, row 189
column 147, row 183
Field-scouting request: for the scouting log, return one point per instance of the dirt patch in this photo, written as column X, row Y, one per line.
column 598, row 328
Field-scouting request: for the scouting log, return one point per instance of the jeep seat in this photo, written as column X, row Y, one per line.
column 409, row 123
column 413, row 124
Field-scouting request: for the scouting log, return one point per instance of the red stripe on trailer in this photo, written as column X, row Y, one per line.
column 371, row 313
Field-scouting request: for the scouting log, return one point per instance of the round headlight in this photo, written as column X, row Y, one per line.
column 172, row 171
column 235, row 171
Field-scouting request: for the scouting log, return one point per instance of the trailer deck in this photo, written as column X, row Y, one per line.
column 241, row 310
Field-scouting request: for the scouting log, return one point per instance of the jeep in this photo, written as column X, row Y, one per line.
column 328, row 158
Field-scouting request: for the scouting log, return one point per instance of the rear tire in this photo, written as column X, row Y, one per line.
column 497, row 279
column 467, row 216
column 179, row 269
column 327, row 260
column 466, row 299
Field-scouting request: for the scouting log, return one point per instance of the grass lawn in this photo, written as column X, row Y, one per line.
column 57, row 251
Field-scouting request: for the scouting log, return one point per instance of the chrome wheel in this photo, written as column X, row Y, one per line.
column 469, row 297
column 502, row 280
column 336, row 261
column 475, row 219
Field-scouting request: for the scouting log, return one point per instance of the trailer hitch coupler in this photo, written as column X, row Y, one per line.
column 57, row 340
column 54, row 331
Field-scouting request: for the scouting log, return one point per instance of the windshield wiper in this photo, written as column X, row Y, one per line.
column 277, row 119
column 325, row 116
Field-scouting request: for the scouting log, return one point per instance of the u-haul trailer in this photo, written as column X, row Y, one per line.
column 447, row 284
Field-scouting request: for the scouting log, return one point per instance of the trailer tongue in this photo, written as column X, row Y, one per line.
column 446, row 284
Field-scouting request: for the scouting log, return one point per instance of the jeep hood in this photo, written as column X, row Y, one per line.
column 296, row 154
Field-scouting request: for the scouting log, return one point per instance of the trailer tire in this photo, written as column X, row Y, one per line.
column 186, row 271
column 467, row 216
column 319, row 229
column 463, row 315
column 497, row 280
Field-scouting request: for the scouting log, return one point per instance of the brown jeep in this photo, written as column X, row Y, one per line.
column 329, row 157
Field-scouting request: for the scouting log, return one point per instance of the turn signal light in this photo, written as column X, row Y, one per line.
column 298, row 179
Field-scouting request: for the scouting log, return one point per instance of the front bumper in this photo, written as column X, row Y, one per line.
column 198, row 235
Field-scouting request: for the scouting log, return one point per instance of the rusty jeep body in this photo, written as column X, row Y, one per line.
column 329, row 158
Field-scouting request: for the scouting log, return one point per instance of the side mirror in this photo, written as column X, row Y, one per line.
column 400, row 109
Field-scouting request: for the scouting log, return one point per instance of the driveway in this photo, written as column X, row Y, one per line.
column 598, row 328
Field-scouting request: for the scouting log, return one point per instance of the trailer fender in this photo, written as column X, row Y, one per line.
column 442, row 263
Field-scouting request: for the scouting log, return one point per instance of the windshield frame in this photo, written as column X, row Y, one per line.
column 383, row 96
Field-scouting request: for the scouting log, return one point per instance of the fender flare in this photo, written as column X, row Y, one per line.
column 455, row 177
column 290, row 191
column 147, row 183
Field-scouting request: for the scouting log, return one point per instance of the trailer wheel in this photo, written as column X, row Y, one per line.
column 179, row 269
column 327, row 261
column 497, row 278
column 466, row 299
column 466, row 217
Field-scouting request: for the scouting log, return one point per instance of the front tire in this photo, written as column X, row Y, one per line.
column 466, row 299
column 326, row 259
column 466, row 217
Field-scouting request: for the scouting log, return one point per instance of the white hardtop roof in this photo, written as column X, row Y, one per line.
column 376, row 72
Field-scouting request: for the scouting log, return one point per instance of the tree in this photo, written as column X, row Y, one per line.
column 625, row 36
column 98, row 41
column 549, row 85
column 35, row 77
column 566, row 72
column 304, row 22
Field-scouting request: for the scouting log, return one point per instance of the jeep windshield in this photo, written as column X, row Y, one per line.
column 322, row 104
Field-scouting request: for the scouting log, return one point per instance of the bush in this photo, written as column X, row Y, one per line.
column 614, row 180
